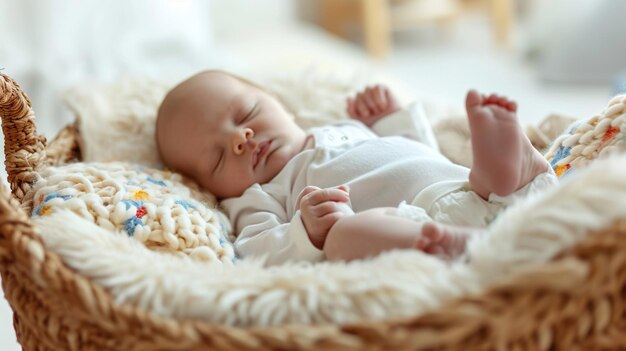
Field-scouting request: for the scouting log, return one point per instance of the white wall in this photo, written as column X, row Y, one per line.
column 246, row 15
column 49, row 45
column 578, row 41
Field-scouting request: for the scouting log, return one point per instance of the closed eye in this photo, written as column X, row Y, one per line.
column 253, row 111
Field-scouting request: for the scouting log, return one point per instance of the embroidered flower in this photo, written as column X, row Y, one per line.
column 141, row 211
column 45, row 210
column 560, row 170
column 129, row 203
column 610, row 134
column 130, row 225
column 560, row 154
column 157, row 182
column 186, row 205
column 140, row 195
column 42, row 208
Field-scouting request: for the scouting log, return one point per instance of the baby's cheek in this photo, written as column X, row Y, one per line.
column 276, row 163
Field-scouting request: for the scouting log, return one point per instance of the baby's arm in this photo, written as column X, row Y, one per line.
column 372, row 104
column 264, row 228
column 320, row 209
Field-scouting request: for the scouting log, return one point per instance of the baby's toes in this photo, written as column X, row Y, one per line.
column 511, row 105
column 435, row 250
column 431, row 232
column 430, row 237
column 491, row 99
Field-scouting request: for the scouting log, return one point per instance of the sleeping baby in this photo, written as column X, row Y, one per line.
column 349, row 190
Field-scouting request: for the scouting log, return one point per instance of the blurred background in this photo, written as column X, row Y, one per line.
column 552, row 56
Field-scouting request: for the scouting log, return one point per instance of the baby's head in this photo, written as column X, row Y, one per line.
column 225, row 133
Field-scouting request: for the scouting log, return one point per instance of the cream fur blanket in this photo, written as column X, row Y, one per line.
column 395, row 284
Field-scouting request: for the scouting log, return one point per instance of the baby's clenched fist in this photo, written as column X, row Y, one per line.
column 372, row 104
column 320, row 209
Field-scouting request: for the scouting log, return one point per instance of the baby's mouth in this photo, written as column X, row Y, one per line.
column 260, row 152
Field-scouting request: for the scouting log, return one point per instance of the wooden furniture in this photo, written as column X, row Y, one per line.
column 378, row 18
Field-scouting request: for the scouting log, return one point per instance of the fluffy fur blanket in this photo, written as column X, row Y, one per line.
column 395, row 284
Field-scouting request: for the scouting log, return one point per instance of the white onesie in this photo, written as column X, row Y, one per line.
column 380, row 170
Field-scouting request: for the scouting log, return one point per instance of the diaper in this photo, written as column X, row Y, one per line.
column 453, row 202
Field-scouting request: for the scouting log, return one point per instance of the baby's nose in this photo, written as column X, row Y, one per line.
column 240, row 139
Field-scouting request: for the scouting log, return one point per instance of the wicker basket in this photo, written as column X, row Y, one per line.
column 55, row 308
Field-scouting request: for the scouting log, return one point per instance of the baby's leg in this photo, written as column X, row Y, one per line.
column 504, row 159
column 374, row 231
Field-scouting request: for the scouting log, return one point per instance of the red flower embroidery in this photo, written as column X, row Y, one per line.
column 141, row 211
column 610, row 134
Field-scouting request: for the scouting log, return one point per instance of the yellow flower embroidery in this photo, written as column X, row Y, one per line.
column 45, row 210
column 140, row 195
column 561, row 169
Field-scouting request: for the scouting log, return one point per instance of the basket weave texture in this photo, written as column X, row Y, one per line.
column 57, row 309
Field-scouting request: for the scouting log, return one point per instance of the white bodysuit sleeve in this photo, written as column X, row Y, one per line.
column 410, row 123
column 265, row 231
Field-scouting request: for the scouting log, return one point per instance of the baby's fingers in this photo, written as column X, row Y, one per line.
column 306, row 191
column 323, row 195
column 370, row 99
column 361, row 105
column 324, row 208
column 378, row 94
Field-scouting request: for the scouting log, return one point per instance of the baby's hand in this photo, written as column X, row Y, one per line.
column 372, row 104
column 320, row 209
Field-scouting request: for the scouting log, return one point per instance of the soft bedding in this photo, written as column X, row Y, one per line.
column 521, row 240
column 395, row 284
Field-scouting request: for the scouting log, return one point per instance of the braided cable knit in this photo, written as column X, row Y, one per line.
column 154, row 207
column 599, row 136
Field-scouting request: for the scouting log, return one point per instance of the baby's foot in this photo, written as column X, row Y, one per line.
column 445, row 241
column 504, row 159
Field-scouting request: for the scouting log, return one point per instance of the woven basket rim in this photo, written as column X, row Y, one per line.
column 28, row 249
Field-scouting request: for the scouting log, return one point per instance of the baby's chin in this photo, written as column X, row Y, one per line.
column 275, row 164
